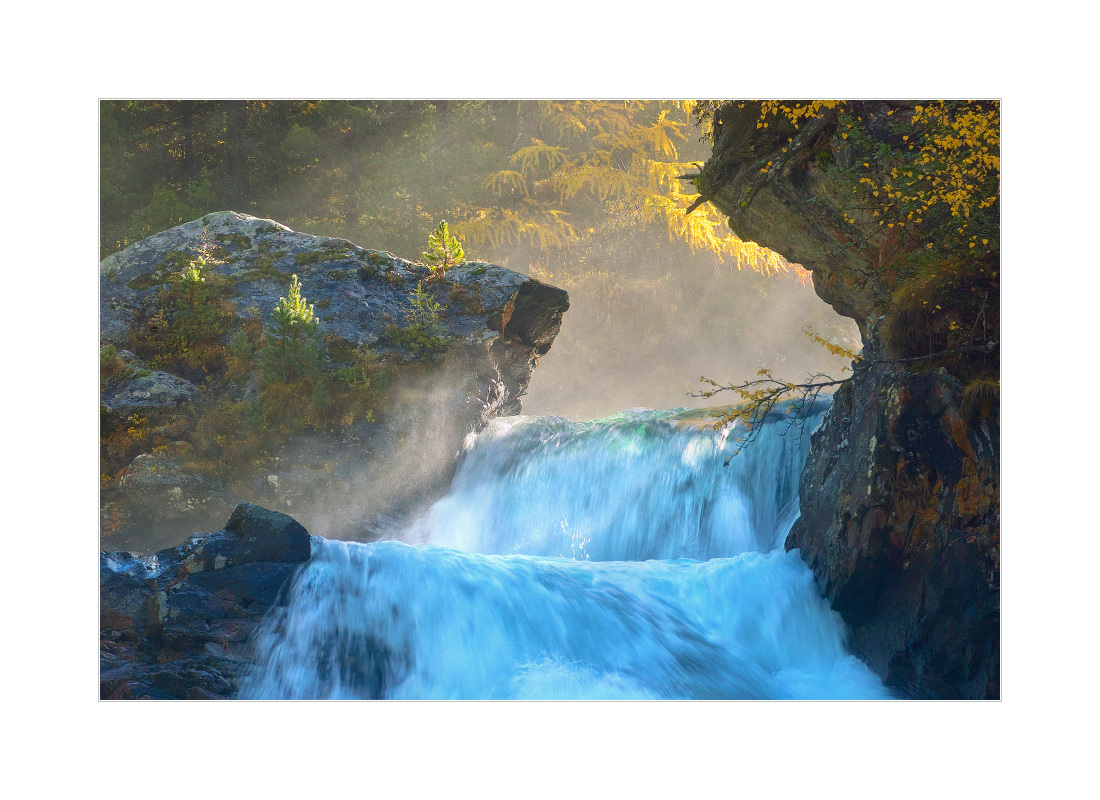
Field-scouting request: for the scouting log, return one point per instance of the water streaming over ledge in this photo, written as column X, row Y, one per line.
column 600, row 560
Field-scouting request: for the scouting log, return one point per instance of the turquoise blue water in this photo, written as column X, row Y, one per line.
column 614, row 559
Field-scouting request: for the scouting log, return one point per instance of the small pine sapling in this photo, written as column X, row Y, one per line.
column 293, row 341
column 443, row 251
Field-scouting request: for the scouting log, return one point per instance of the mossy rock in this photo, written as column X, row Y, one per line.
column 238, row 240
column 146, row 280
column 311, row 257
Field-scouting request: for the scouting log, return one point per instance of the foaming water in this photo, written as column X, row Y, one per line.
column 616, row 559
column 636, row 486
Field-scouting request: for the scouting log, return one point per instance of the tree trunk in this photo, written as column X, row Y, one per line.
column 527, row 123
column 187, row 110
column 239, row 141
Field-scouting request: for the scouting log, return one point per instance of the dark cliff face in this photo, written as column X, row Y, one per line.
column 900, row 524
column 900, row 494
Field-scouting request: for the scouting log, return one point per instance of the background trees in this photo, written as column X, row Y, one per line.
column 581, row 193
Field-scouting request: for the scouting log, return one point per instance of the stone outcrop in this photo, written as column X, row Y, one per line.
column 506, row 319
column 900, row 524
column 900, row 494
column 497, row 324
column 177, row 624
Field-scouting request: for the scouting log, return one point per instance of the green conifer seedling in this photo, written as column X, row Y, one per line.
column 443, row 250
column 293, row 341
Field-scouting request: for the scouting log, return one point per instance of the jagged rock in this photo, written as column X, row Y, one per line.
column 798, row 211
column 900, row 494
column 176, row 624
column 901, row 528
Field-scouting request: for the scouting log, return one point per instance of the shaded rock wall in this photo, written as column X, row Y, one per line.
column 176, row 625
column 900, row 524
column 900, row 494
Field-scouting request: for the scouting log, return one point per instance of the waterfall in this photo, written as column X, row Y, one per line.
column 612, row 559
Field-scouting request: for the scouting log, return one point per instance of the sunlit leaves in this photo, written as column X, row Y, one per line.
column 618, row 156
column 947, row 168
column 832, row 347
column 530, row 158
column 506, row 181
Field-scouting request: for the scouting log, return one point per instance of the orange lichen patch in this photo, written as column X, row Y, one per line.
column 112, row 516
column 973, row 497
column 924, row 525
column 111, row 620
column 957, row 428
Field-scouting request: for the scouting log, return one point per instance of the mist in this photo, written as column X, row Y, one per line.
column 627, row 343
column 648, row 314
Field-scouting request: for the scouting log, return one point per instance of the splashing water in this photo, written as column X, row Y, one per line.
column 614, row 559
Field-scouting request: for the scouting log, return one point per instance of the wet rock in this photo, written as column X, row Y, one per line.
column 901, row 529
column 177, row 624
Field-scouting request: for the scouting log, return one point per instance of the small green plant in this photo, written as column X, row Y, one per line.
column 293, row 350
column 239, row 241
column 443, row 250
column 423, row 333
column 310, row 257
column 230, row 436
column 306, row 379
column 184, row 331
column 200, row 320
column 111, row 364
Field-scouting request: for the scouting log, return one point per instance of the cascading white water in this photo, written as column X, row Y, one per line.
column 608, row 559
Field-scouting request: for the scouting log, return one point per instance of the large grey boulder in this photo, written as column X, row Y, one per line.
column 507, row 319
column 496, row 323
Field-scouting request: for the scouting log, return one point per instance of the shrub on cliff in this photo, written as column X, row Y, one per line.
column 293, row 342
column 296, row 390
column 423, row 333
column 290, row 361
column 443, row 250
column 184, row 331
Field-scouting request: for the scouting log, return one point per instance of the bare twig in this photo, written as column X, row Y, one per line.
column 760, row 397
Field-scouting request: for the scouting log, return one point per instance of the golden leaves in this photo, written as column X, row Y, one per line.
column 832, row 347
column 621, row 155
